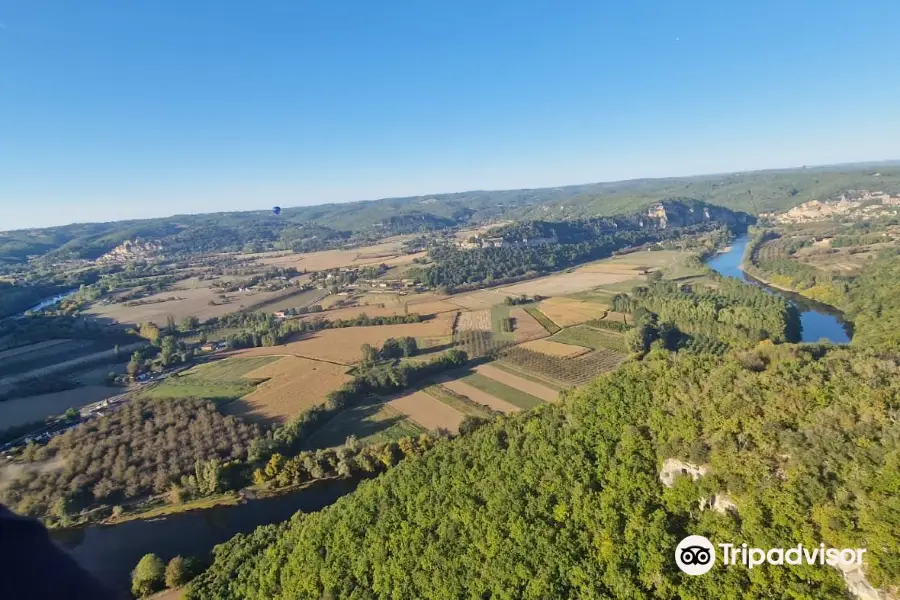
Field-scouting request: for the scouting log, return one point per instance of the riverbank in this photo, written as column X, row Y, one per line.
column 818, row 320
column 158, row 508
column 110, row 552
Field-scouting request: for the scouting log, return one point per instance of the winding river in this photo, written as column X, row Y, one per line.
column 818, row 320
column 111, row 552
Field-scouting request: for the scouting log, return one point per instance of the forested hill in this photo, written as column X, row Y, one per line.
column 312, row 227
column 566, row 501
column 511, row 253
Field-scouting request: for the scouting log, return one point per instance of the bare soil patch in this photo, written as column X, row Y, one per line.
column 294, row 384
column 427, row 411
column 526, row 327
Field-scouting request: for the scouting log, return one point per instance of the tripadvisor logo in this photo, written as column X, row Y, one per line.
column 696, row 555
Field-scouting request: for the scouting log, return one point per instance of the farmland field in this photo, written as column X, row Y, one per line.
column 220, row 381
column 476, row 320
column 194, row 301
column 106, row 356
column 19, row 411
column 526, row 326
column 343, row 345
column 500, row 390
column 567, row 371
column 525, row 386
column 557, row 349
column 591, row 338
column 291, row 385
column 371, row 423
column 475, row 394
column 548, row 325
column 21, row 352
column 427, row 411
column 566, row 312
column 297, row 299
column 512, row 369
column 460, row 403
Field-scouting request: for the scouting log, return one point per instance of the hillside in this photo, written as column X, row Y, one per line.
column 322, row 226
column 566, row 501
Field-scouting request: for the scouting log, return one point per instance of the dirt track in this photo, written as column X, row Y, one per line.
column 519, row 383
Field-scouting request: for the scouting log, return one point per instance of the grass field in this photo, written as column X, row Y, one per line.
column 541, row 318
column 498, row 313
column 371, row 423
column 220, row 381
column 458, row 402
column 502, row 391
column 590, row 338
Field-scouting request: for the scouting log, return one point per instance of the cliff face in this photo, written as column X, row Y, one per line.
column 680, row 213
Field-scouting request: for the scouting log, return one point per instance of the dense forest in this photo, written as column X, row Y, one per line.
column 146, row 447
column 458, row 270
column 316, row 227
column 731, row 311
column 566, row 501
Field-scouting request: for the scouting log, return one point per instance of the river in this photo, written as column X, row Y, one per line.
column 819, row 321
column 48, row 302
column 111, row 552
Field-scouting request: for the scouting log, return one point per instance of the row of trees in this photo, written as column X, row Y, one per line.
column 345, row 461
column 566, row 501
column 152, row 575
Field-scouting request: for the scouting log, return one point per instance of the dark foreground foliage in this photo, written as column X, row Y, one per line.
column 566, row 501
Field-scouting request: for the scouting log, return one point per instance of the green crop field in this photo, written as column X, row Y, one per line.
column 371, row 423
column 582, row 335
column 541, row 318
column 502, row 391
column 221, row 381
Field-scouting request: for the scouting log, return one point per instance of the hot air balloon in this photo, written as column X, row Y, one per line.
column 276, row 210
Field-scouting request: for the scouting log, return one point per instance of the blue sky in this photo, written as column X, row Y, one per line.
column 116, row 109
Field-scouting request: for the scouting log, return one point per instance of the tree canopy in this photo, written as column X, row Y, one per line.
column 566, row 501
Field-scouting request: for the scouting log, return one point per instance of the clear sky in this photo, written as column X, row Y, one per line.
column 118, row 109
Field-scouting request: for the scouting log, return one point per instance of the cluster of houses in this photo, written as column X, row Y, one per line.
column 500, row 242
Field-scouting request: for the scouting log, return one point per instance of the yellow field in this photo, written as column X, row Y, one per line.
column 343, row 345
column 294, row 384
column 555, row 348
column 427, row 411
column 388, row 253
column 566, row 312
column 527, row 328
